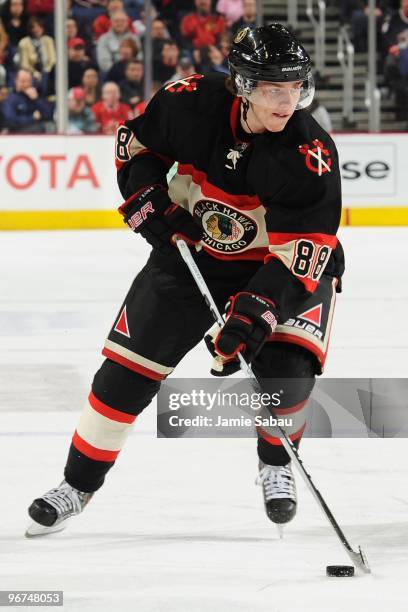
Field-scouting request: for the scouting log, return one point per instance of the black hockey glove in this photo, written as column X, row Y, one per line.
column 151, row 213
column 251, row 320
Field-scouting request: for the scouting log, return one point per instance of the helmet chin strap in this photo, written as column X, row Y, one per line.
column 245, row 109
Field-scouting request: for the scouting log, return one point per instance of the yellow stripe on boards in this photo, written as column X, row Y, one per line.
column 388, row 216
column 60, row 219
column 111, row 219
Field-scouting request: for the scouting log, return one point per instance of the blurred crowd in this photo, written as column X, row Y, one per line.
column 392, row 42
column 105, row 46
column 105, row 40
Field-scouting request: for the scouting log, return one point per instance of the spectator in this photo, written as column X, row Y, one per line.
column 231, row 9
column 184, row 68
column 225, row 44
column 248, row 18
column 14, row 18
column 107, row 48
column 44, row 10
column 91, row 86
column 103, row 23
column 86, row 11
column 159, row 34
column 359, row 21
column 140, row 108
column 4, row 39
column 346, row 9
column 395, row 25
column 139, row 24
column 172, row 12
column 202, row 28
column 3, row 76
column 110, row 112
column 73, row 30
column 3, row 98
column 40, row 8
column 133, row 8
column 24, row 110
column 395, row 45
column 78, row 61
column 131, row 88
column 37, row 52
column 212, row 60
column 165, row 67
column 128, row 51
column 81, row 119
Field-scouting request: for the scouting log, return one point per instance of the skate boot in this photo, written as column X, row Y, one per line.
column 279, row 491
column 51, row 512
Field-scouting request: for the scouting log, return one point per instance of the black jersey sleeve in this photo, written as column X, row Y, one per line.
column 143, row 154
column 301, row 222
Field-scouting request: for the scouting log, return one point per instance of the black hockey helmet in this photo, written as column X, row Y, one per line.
column 269, row 54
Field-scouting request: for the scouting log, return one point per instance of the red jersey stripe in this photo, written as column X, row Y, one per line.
column 236, row 104
column 283, row 237
column 277, row 441
column 240, row 202
column 97, row 454
column 282, row 337
column 110, row 413
column 257, row 254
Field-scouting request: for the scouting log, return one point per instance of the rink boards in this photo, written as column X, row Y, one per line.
column 69, row 182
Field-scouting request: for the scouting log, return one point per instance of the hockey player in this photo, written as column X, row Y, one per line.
column 258, row 186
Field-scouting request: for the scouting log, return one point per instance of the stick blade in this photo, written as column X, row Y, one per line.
column 360, row 560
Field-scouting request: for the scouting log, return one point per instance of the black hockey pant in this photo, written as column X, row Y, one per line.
column 162, row 318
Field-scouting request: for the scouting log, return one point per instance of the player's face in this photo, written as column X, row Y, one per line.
column 275, row 103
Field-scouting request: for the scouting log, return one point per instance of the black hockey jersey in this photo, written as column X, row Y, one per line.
column 273, row 197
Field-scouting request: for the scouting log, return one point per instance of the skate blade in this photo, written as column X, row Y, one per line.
column 35, row 529
column 280, row 530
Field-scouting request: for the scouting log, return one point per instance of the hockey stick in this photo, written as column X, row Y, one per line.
column 358, row 558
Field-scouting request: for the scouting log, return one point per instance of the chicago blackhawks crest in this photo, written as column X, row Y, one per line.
column 187, row 84
column 317, row 157
column 225, row 229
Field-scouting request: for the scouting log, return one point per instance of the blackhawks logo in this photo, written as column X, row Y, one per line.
column 317, row 157
column 188, row 84
column 225, row 229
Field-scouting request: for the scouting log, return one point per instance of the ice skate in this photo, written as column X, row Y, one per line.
column 52, row 511
column 279, row 491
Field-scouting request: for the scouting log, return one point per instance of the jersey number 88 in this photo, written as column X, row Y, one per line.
column 310, row 259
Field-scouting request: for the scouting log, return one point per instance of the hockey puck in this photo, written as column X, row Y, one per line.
column 340, row 570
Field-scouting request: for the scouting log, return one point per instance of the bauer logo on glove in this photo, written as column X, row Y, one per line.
column 251, row 320
column 139, row 216
column 151, row 213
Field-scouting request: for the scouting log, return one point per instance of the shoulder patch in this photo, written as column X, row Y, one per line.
column 317, row 157
column 184, row 85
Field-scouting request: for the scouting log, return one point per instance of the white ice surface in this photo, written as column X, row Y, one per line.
column 179, row 525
